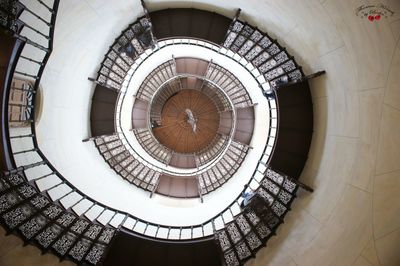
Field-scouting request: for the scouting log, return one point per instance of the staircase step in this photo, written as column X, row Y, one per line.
column 249, row 231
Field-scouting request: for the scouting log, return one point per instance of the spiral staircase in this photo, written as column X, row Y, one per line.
column 51, row 213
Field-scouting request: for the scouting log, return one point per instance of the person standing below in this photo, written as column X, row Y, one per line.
column 246, row 195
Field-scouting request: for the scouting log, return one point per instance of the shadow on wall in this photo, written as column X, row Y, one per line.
column 318, row 87
column 285, row 231
column 230, row 13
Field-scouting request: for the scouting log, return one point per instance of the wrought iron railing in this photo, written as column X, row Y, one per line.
column 263, row 84
column 71, row 198
column 158, row 98
column 49, row 211
column 234, row 208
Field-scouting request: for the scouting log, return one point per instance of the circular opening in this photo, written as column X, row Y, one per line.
column 192, row 65
column 189, row 122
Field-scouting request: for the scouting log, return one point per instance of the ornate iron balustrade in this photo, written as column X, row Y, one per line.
column 63, row 190
column 166, row 43
column 152, row 146
column 240, row 239
column 169, row 83
column 226, row 167
column 108, row 216
column 263, row 52
column 47, row 210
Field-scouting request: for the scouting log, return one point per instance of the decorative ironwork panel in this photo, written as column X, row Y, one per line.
column 117, row 150
column 223, row 240
column 132, row 166
column 281, row 57
column 15, row 180
column 95, row 253
column 124, row 66
column 263, row 230
column 79, row 226
column 106, row 235
column 260, row 59
column 93, row 231
column 108, row 63
column 240, row 41
column 233, row 232
column 253, row 241
column 46, row 237
column 123, row 40
column 256, row 36
column 52, row 211
column 3, row 185
column 8, row 200
column 252, row 216
column 66, row 219
column 295, row 75
column 289, row 66
column 111, row 138
column 39, row 201
column 117, row 70
column 270, row 186
column 229, row 40
column 285, row 197
column 112, row 55
column 80, row 249
column 16, row 216
column 26, row 191
column 271, row 219
column 278, row 208
column 243, row 224
column 237, row 26
column 273, row 73
column 62, row 245
column 30, row 228
column 265, row 42
column 231, row 259
column 267, row 66
column 277, row 178
column 273, row 49
column 113, row 84
column 116, row 78
column 247, row 31
column 127, row 161
column 268, row 197
column 255, row 51
column 243, row 251
column 289, row 186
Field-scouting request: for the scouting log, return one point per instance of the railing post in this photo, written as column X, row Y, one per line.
column 123, row 221
column 305, row 78
column 23, row 168
column 102, row 84
column 89, row 139
column 155, row 187
column 235, row 18
column 199, row 189
column 46, row 6
column 300, row 184
column 22, row 136
column 297, row 182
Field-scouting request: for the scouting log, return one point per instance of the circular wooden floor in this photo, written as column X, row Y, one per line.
column 180, row 134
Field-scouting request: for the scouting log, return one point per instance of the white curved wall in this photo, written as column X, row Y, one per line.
column 353, row 217
column 65, row 122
